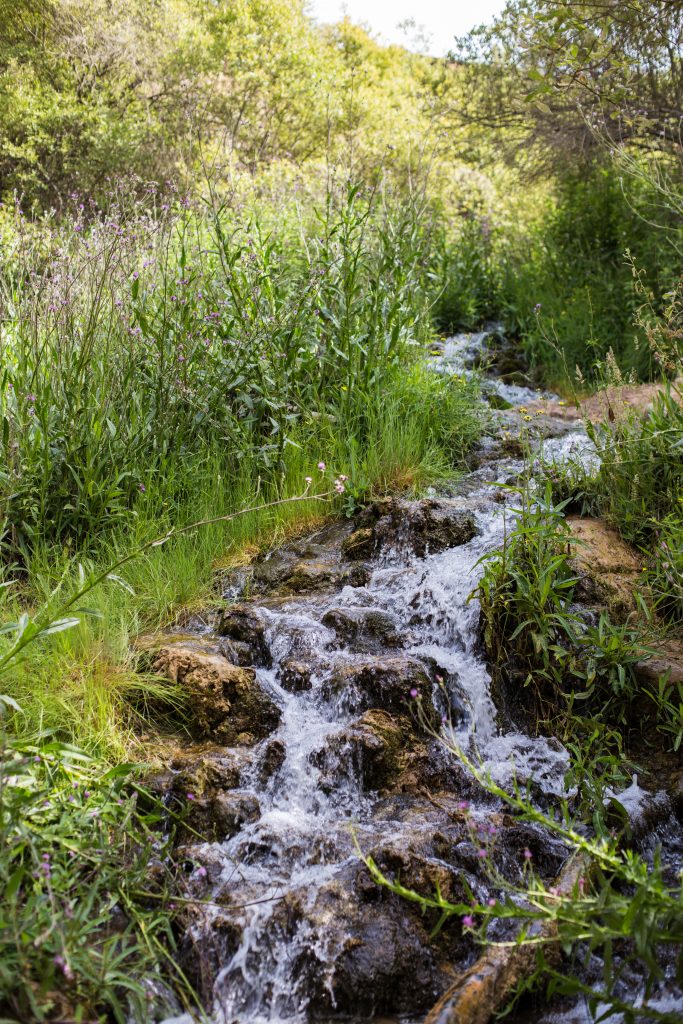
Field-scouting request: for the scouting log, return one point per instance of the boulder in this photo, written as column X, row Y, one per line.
column 272, row 759
column 423, row 527
column 295, row 675
column 309, row 577
column 360, row 545
column 608, row 569
column 395, row 684
column 370, row 749
column 225, row 702
column 363, row 629
column 244, row 626
column 216, row 817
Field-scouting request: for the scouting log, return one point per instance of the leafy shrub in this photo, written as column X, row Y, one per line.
column 641, row 474
column 575, row 267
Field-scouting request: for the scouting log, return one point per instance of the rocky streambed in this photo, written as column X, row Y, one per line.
column 317, row 694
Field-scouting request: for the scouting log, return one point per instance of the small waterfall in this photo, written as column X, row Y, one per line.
column 284, row 878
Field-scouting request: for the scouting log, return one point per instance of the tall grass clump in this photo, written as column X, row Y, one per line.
column 139, row 337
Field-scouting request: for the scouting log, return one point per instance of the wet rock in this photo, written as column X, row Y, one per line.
column 385, row 683
column 353, row 949
column 230, row 811
column 225, row 701
column 205, row 772
column 373, row 954
column 217, row 817
column 295, row 675
column 313, row 566
column 360, row 545
column 272, row 760
column 479, row 992
column 369, row 750
column 204, row 948
column 363, row 629
column 242, row 624
column 424, row 527
column 236, row 652
column 310, row 577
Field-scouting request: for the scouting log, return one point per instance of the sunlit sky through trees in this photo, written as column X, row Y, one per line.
column 437, row 22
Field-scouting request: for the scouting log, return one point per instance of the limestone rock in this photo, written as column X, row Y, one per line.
column 424, row 527
column 609, row 570
column 295, row 675
column 225, row 701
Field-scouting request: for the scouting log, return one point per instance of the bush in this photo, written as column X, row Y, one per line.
column 576, row 266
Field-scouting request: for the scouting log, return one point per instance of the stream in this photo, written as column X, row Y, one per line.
column 365, row 643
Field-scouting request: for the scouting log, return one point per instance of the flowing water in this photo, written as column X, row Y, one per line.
column 302, row 944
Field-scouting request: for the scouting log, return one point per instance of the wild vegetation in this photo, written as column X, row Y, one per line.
column 229, row 239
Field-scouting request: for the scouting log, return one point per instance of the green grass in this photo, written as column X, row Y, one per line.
column 82, row 684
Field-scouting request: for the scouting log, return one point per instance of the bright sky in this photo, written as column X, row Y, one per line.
column 439, row 20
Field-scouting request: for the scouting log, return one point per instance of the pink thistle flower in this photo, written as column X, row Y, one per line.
column 491, row 901
column 414, row 692
column 468, row 921
column 527, row 853
column 322, row 467
column 482, row 854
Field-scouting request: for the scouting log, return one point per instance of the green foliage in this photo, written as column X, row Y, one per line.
column 641, row 474
column 531, row 625
column 464, row 275
column 84, row 923
column 665, row 571
column 141, row 336
column 569, row 287
column 563, row 77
